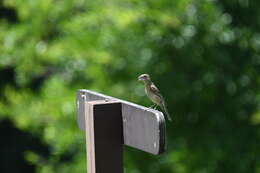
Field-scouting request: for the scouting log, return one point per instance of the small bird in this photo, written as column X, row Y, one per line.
column 153, row 93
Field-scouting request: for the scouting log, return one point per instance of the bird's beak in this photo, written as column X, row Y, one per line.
column 140, row 78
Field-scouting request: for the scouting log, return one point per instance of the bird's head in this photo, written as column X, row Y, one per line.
column 144, row 77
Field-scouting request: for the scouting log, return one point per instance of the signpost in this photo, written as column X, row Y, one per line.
column 111, row 123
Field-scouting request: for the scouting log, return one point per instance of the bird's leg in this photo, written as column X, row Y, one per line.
column 152, row 106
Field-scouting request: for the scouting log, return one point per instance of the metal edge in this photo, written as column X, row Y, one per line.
column 122, row 101
column 79, row 106
column 162, row 129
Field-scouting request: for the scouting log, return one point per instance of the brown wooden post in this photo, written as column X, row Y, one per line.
column 104, row 136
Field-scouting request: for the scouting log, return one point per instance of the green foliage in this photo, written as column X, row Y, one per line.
column 204, row 55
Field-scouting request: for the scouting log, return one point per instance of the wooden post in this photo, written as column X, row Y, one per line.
column 104, row 136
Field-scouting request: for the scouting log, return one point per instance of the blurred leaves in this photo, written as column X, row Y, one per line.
column 202, row 54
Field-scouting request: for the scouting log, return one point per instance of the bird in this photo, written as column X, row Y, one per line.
column 153, row 93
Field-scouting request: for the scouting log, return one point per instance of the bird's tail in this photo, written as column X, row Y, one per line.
column 163, row 106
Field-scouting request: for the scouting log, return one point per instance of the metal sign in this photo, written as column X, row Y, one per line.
column 143, row 128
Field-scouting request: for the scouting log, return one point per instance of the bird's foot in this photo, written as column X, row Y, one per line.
column 154, row 106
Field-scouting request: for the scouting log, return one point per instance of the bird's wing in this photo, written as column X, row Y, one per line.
column 155, row 90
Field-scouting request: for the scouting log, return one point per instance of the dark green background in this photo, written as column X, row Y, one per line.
column 204, row 55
